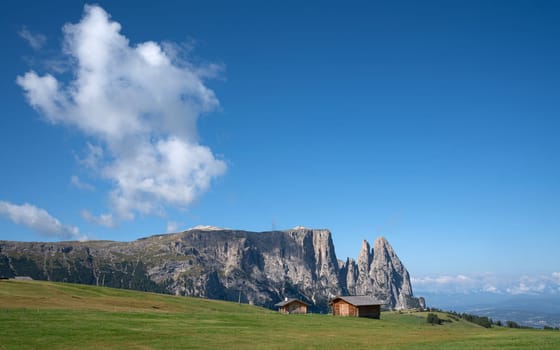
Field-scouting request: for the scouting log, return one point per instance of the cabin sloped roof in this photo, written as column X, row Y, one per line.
column 289, row 301
column 359, row 300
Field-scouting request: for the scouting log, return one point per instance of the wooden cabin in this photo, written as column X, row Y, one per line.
column 292, row 306
column 356, row 306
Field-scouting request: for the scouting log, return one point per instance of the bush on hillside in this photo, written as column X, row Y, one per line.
column 433, row 319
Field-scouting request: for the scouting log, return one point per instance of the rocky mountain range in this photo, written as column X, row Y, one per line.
column 260, row 268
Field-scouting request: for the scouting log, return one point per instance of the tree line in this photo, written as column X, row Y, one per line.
column 483, row 321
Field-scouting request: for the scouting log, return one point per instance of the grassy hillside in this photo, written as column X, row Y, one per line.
column 44, row 315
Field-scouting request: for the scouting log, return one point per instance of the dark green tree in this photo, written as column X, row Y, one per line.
column 433, row 319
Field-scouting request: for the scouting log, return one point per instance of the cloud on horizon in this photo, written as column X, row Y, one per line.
column 138, row 107
column 488, row 283
column 40, row 221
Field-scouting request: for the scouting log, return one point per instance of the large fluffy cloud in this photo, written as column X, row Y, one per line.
column 39, row 220
column 138, row 105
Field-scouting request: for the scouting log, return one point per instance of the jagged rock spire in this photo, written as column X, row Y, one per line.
column 381, row 273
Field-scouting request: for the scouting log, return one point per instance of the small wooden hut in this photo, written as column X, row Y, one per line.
column 292, row 306
column 356, row 306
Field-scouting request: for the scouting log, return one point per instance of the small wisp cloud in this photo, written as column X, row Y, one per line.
column 138, row 106
column 173, row 226
column 79, row 184
column 35, row 40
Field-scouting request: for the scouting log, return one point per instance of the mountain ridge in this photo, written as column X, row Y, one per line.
column 254, row 267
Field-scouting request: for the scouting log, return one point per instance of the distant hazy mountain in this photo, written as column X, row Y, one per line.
column 527, row 310
column 258, row 268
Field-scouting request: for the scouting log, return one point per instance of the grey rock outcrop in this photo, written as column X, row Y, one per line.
column 257, row 268
column 381, row 273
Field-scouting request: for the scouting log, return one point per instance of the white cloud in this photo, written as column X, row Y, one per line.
column 170, row 171
column 43, row 93
column 556, row 277
column 459, row 283
column 76, row 182
column 172, row 227
column 152, row 54
column 536, row 284
column 93, row 158
column 523, row 288
column 35, row 40
column 39, row 220
column 106, row 220
column 139, row 105
column 491, row 289
column 442, row 280
column 489, row 283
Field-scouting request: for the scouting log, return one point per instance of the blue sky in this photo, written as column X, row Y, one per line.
column 433, row 123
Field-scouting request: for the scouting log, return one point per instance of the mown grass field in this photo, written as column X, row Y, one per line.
column 45, row 315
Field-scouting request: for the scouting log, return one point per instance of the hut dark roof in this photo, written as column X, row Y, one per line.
column 289, row 301
column 359, row 300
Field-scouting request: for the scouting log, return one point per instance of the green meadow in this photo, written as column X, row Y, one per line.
column 45, row 315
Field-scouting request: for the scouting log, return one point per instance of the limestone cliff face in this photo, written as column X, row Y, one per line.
column 382, row 274
column 258, row 268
